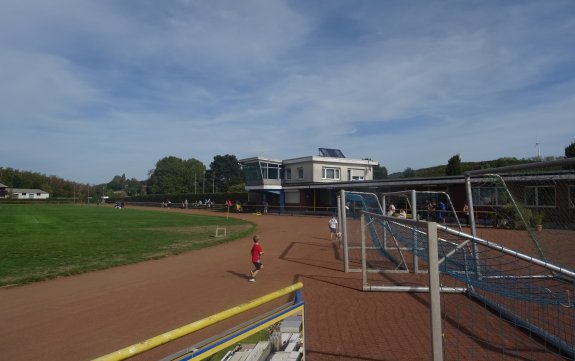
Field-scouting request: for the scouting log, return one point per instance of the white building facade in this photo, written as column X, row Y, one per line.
column 287, row 183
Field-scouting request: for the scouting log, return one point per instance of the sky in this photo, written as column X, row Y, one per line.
column 91, row 89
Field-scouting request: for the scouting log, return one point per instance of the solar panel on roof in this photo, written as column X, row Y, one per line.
column 329, row 152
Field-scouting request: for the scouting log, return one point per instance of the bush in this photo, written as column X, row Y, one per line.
column 536, row 218
column 509, row 217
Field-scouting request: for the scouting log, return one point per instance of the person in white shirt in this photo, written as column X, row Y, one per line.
column 332, row 227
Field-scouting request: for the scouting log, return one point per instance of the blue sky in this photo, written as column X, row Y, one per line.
column 90, row 89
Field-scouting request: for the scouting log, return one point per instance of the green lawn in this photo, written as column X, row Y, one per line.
column 39, row 242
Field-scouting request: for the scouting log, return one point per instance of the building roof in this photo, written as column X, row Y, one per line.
column 26, row 190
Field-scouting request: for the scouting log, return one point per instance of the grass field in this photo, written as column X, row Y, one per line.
column 39, row 242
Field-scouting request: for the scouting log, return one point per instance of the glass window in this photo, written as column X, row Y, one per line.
column 540, row 196
column 489, row 196
column 355, row 174
column 251, row 172
column 270, row 170
column 288, row 173
column 330, row 173
column 571, row 196
column 300, row 172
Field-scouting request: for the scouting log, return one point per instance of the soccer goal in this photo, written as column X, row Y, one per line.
column 384, row 253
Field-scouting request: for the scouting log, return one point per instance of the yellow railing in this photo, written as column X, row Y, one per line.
column 156, row 341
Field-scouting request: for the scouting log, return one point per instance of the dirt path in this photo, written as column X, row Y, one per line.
column 86, row 316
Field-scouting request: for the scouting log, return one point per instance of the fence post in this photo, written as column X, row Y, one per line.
column 434, row 292
column 344, row 229
column 363, row 253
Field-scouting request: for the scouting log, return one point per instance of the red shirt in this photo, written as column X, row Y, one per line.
column 256, row 252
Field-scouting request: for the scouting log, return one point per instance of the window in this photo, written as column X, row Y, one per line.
column 330, row 173
column 571, row 196
column 300, row 172
column 270, row 170
column 288, row 173
column 251, row 172
column 543, row 196
column 356, row 174
column 492, row 196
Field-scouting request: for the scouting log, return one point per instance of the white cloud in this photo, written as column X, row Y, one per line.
column 109, row 87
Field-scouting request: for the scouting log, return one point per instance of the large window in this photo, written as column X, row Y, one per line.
column 270, row 170
column 355, row 174
column 330, row 173
column 251, row 172
column 543, row 196
column 493, row 196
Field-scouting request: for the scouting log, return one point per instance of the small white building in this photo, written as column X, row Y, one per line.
column 3, row 190
column 23, row 193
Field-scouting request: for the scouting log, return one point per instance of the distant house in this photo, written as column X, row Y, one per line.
column 3, row 190
column 22, row 193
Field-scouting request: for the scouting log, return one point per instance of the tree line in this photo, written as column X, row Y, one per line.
column 171, row 175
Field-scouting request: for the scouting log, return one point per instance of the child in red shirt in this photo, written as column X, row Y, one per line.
column 256, row 254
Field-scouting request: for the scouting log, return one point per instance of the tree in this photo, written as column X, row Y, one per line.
column 226, row 172
column 118, row 183
column 379, row 172
column 173, row 175
column 453, row 166
column 408, row 173
column 134, row 187
column 570, row 150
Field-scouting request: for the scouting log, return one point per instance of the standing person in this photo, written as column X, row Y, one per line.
column 466, row 213
column 441, row 215
column 256, row 254
column 332, row 227
column 391, row 210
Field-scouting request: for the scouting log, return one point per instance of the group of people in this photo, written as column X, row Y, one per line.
column 435, row 211
column 393, row 212
column 205, row 203
column 236, row 206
